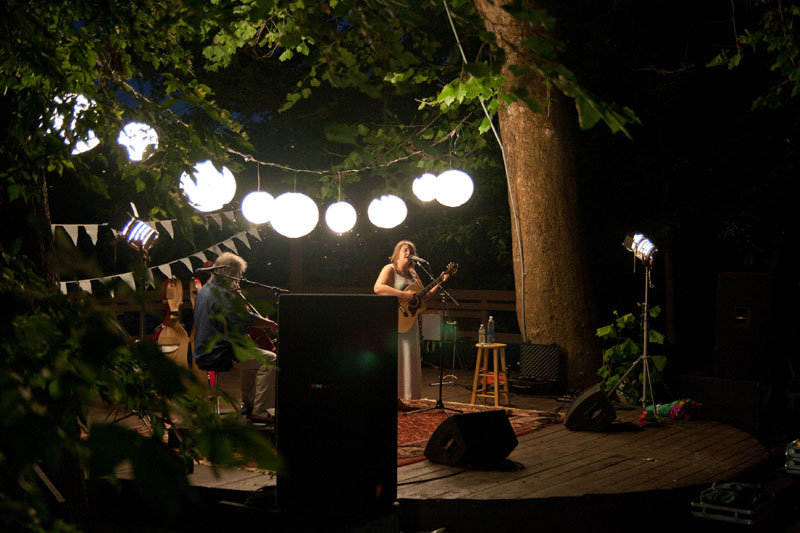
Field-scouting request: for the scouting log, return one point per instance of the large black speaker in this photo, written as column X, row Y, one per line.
column 591, row 411
column 481, row 438
column 336, row 425
column 745, row 320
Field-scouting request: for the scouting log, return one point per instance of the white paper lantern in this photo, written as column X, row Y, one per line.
column 294, row 215
column 136, row 137
column 454, row 188
column 80, row 104
column 424, row 187
column 388, row 211
column 257, row 207
column 340, row 217
column 209, row 189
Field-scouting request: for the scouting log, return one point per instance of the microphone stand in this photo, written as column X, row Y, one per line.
column 275, row 290
column 445, row 296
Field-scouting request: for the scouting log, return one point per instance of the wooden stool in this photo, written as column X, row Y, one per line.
column 497, row 372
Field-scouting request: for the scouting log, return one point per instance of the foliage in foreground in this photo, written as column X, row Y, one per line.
column 63, row 354
column 626, row 335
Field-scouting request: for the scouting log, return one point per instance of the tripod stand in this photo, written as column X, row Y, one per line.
column 439, row 403
column 647, row 380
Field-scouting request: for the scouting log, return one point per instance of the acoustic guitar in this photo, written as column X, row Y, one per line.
column 409, row 311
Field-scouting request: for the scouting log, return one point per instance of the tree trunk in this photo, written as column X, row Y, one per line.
column 554, row 284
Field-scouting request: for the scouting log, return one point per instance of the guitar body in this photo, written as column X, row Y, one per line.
column 409, row 311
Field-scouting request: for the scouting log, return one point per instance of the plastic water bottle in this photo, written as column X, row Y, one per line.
column 482, row 335
column 490, row 331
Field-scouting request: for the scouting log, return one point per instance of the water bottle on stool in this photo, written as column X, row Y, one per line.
column 490, row 331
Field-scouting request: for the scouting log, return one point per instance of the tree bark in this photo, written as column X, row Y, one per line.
column 539, row 148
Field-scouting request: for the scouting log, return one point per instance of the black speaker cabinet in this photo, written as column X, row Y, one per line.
column 745, row 319
column 481, row 438
column 591, row 411
column 336, row 426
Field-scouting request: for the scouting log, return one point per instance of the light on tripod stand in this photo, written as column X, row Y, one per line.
column 139, row 235
column 642, row 247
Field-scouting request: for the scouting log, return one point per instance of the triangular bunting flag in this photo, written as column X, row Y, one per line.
column 217, row 218
column 230, row 215
column 63, row 286
column 128, row 279
column 201, row 256
column 91, row 229
column 215, row 249
column 229, row 244
column 167, row 224
column 166, row 270
column 72, row 231
column 188, row 263
column 85, row 285
column 254, row 232
column 242, row 236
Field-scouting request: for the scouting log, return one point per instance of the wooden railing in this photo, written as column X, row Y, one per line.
column 474, row 307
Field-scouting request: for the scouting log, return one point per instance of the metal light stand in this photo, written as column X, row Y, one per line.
column 647, row 380
column 439, row 402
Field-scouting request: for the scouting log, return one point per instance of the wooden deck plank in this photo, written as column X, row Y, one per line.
column 559, row 462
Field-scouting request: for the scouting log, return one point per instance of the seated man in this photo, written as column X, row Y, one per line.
column 219, row 316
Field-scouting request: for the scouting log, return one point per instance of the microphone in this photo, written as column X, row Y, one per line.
column 418, row 259
column 209, row 269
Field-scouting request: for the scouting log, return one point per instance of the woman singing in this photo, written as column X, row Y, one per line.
column 392, row 281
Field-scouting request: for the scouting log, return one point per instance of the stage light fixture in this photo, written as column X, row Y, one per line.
column 642, row 247
column 139, row 235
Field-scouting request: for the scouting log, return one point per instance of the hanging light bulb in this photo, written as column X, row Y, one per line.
column 294, row 215
column 454, row 188
column 340, row 217
column 81, row 104
column 387, row 212
column 209, row 189
column 424, row 187
column 257, row 207
column 136, row 137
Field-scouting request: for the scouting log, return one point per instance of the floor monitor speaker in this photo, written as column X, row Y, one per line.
column 481, row 438
column 591, row 411
column 336, row 426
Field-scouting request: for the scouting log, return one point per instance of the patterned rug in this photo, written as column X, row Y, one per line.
column 414, row 431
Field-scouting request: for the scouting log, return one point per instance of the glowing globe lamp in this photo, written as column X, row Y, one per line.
column 80, row 104
column 387, row 212
column 340, row 217
column 257, row 207
column 208, row 189
column 136, row 137
column 453, row 188
column 294, row 215
column 424, row 187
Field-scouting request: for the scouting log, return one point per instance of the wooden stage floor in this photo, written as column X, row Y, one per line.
column 568, row 481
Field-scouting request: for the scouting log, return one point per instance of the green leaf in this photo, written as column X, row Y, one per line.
column 607, row 331
column 655, row 337
column 659, row 361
